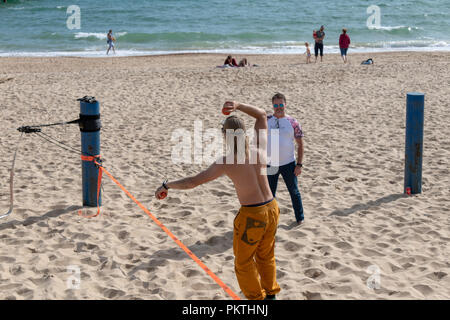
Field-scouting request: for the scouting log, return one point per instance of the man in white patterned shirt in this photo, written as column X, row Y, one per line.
column 289, row 130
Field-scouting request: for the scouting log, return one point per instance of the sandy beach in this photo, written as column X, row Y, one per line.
column 357, row 219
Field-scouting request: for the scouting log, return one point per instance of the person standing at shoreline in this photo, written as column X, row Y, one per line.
column 318, row 45
column 344, row 43
column 110, row 41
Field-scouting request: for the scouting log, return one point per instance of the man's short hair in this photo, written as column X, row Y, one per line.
column 279, row 96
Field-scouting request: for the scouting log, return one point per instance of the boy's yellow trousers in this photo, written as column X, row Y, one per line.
column 254, row 250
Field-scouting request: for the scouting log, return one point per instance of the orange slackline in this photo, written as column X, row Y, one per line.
column 170, row 234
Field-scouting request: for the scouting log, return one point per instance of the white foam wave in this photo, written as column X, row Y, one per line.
column 389, row 28
column 286, row 48
column 100, row 36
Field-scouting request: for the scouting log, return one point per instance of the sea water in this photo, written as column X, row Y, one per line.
column 79, row 28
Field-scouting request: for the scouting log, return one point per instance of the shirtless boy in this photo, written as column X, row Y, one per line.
column 256, row 223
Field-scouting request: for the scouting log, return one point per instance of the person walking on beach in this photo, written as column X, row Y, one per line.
column 284, row 130
column 318, row 45
column 344, row 43
column 256, row 223
column 110, row 41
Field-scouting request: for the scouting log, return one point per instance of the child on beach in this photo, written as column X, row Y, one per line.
column 308, row 53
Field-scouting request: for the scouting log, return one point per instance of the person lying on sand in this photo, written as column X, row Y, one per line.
column 244, row 63
column 256, row 223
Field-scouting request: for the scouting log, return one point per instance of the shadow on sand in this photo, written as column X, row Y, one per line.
column 369, row 205
column 214, row 245
column 32, row 220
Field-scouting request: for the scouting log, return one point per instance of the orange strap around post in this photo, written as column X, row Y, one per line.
column 99, row 183
column 177, row 241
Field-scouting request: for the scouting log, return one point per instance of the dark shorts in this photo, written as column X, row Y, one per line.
column 317, row 47
column 343, row 51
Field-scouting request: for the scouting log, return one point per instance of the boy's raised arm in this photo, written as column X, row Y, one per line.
column 255, row 112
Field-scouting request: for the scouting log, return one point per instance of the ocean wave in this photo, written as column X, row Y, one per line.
column 96, row 35
column 405, row 44
column 279, row 49
column 176, row 37
column 394, row 28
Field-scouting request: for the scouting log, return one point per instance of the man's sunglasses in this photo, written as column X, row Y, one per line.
column 281, row 105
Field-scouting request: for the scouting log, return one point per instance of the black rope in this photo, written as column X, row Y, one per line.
column 57, row 143
column 36, row 128
column 63, row 146
column 55, row 124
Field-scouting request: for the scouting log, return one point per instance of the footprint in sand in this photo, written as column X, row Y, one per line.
column 343, row 245
column 314, row 273
column 26, row 293
column 361, row 263
column 83, row 247
column 280, row 274
column 437, row 275
column 424, row 289
column 16, row 270
column 113, row 293
column 123, row 235
column 80, row 236
column 291, row 246
column 220, row 193
column 332, row 265
column 312, row 295
column 174, row 200
column 370, row 253
column 5, row 80
column 89, row 261
column 382, row 245
column 394, row 268
column 185, row 213
column 5, row 259
column 190, row 273
column 343, row 290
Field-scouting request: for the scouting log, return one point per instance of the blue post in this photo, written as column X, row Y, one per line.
column 415, row 102
column 90, row 146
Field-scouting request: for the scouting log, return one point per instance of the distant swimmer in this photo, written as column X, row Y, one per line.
column 255, row 224
column 110, row 41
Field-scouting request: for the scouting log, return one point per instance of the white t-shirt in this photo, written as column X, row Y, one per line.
column 282, row 133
